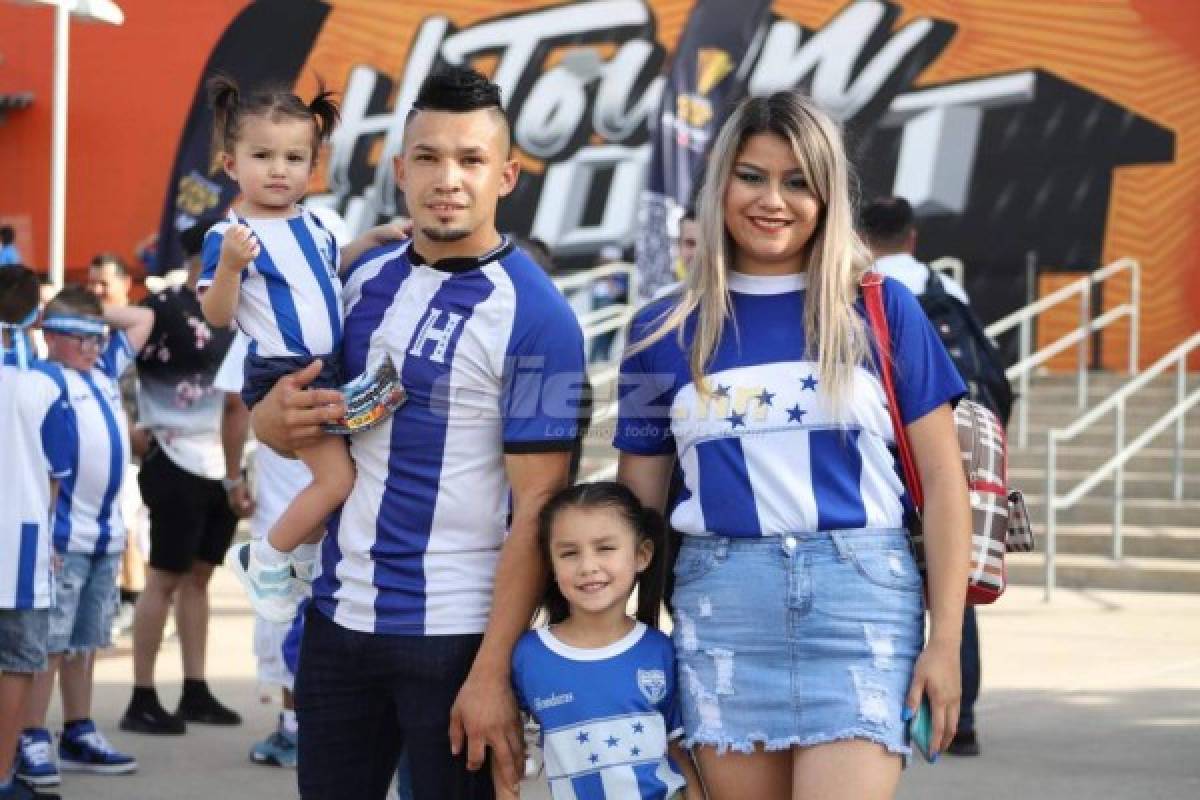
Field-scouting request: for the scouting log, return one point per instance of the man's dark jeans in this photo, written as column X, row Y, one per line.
column 361, row 696
column 971, row 671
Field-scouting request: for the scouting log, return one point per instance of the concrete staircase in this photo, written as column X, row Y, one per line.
column 1160, row 536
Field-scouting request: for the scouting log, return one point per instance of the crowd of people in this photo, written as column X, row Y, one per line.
column 416, row 394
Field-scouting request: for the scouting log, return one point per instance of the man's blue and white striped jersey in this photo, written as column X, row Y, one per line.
column 765, row 454
column 37, row 430
column 289, row 303
column 606, row 714
column 87, row 517
column 492, row 359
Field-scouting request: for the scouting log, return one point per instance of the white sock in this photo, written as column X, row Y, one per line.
column 306, row 552
column 266, row 554
column 288, row 719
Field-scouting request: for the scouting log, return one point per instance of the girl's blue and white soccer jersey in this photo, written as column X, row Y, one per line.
column 290, row 295
column 491, row 357
column 37, row 429
column 87, row 517
column 765, row 454
column 606, row 714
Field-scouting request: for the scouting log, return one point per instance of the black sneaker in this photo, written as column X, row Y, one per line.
column 198, row 705
column 19, row 790
column 150, row 717
column 964, row 743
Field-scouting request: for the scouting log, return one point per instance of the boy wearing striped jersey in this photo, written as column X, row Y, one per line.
column 36, row 427
column 88, row 531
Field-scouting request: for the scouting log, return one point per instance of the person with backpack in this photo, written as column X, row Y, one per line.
column 889, row 227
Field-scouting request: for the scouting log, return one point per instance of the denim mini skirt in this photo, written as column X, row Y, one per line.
column 797, row 640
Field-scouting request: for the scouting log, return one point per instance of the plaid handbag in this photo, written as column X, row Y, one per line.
column 999, row 521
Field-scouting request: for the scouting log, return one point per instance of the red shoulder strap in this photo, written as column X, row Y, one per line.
column 872, row 288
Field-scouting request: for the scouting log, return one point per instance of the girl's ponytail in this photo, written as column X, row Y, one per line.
column 224, row 97
column 324, row 111
column 653, row 580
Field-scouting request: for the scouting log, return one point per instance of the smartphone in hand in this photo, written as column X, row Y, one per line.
column 920, row 730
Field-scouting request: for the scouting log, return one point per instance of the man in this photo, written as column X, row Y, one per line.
column 109, row 280
column 185, row 478
column 890, row 230
column 10, row 256
column 889, row 227
column 404, row 644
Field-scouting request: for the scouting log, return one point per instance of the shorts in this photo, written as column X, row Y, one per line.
column 277, row 649
column 798, row 640
column 23, row 635
column 260, row 374
column 190, row 518
column 85, row 603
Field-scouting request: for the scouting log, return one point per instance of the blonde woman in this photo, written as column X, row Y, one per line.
column 799, row 610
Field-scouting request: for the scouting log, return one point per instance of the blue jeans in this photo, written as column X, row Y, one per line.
column 361, row 697
column 971, row 671
column 85, row 603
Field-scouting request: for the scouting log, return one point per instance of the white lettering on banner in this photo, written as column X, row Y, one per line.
column 831, row 54
column 559, row 112
column 440, row 336
column 940, row 134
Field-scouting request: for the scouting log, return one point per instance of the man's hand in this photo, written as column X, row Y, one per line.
column 240, row 501
column 485, row 713
column 290, row 416
column 238, row 248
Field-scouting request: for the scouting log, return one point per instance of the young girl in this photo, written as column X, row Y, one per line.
column 797, row 601
column 274, row 268
column 600, row 684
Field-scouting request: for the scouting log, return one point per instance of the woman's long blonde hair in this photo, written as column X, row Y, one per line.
column 836, row 257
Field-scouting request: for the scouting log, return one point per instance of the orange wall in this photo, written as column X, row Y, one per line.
column 126, row 116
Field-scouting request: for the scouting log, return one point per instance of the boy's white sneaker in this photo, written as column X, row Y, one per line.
column 271, row 590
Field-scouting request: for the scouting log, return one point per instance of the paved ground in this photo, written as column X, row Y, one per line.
column 1095, row 696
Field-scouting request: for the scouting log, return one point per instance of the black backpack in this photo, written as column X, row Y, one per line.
column 974, row 354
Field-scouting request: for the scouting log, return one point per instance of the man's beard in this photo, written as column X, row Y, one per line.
column 445, row 234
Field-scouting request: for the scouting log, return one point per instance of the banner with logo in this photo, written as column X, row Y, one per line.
column 1007, row 141
column 707, row 77
column 198, row 187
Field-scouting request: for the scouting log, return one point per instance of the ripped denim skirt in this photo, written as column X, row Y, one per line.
column 797, row 640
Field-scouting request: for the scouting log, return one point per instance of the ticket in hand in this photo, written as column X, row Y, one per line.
column 369, row 399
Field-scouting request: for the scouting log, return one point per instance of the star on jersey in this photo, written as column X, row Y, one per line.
column 612, row 741
column 638, row 727
column 722, row 391
column 765, row 397
column 582, row 737
column 808, row 383
column 635, row 752
column 736, row 419
column 796, row 413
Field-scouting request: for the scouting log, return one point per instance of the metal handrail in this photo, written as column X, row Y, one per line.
column 1029, row 360
column 608, row 319
column 1184, row 402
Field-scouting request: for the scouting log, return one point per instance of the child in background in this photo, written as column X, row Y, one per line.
column 36, row 429
column 274, row 267
column 602, row 685
column 88, row 530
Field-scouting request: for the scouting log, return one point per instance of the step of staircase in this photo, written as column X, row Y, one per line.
column 1150, row 459
column 1137, row 484
column 1143, row 511
column 1137, row 541
column 1100, row 572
